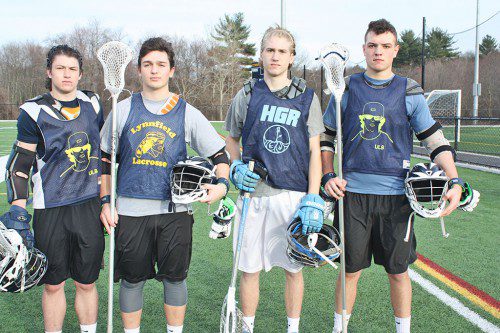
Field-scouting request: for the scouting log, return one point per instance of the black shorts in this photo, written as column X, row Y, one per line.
column 376, row 225
column 73, row 241
column 142, row 242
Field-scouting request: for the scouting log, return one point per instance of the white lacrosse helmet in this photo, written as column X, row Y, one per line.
column 20, row 267
column 425, row 186
column 188, row 176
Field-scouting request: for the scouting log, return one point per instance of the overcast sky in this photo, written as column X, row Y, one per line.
column 313, row 22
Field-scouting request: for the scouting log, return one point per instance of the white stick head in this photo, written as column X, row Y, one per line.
column 333, row 58
column 114, row 57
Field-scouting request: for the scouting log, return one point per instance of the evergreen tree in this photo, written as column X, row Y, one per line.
column 410, row 48
column 231, row 33
column 488, row 45
column 439, row 44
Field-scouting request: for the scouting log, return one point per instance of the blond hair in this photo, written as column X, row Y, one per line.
column 277, row 31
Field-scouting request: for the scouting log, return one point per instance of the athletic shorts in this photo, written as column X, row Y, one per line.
column 375, row 225
column 144, row 242
column 264, row 239
column 72, row 239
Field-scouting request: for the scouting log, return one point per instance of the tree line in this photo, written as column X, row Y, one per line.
column 211, row 69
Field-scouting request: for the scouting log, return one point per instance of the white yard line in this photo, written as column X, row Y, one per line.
column 453, row 303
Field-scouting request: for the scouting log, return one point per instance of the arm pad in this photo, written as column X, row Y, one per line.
column 18, row 168
column 220, row 157
column 105, row 165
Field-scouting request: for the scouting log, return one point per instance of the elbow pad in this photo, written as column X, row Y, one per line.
column 220, row 157
column 18, row 168
column 327, row 139
column 105, row 165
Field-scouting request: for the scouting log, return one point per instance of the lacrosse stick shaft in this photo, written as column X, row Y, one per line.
column 338, row 98
column 443, row 228
column 114, row 141
column 241, row 228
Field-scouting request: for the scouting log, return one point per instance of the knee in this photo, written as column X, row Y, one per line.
column 175, row 292
column 293, row 276
column 131, row 296
column 85, row 288
column 54, row 288
column 250, row 277
column 352, row 277
column 399, row 278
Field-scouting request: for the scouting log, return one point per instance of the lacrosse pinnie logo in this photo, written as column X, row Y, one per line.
column 276, row 139
column 152, row 144
column 78, row 152
column 372, row 122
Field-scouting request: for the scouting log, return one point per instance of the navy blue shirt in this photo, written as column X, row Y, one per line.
column 420, row 119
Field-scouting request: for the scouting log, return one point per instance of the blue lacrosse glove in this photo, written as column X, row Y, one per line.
column 242, row 178
column 17, row 218
column 310, row 213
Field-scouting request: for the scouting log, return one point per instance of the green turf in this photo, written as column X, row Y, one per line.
column 471, row 252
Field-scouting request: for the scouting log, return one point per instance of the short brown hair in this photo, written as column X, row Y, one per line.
column 381, row 26
column 66, row 50
column 157, row 44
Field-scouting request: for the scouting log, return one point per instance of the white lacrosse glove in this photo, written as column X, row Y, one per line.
column 221, row 226
column 469, row 199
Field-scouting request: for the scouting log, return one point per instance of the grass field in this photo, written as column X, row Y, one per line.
column 471, row 253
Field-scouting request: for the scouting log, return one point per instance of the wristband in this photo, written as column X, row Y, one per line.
column 327, row 176
column 105, row 199
column 225, row 182
column 457, row 181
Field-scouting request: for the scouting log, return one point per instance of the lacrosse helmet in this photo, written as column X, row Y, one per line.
column 188, row 176
column 299, row 251
column 20, row 267
column 425, row 186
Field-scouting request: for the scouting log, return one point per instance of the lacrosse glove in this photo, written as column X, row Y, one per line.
column 469, row 199
column 221, row 226
column 17, row 218
column 242, row 178
column 310, row 212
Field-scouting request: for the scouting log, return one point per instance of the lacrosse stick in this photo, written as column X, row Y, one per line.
column 231, row 318
column 114, row 57
column 333, row 58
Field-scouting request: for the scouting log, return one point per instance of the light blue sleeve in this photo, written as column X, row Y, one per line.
column 329, row 117
column 418, row 113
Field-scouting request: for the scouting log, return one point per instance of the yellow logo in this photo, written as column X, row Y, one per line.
column 78, row 153
column 372, row 122
column 152, row 144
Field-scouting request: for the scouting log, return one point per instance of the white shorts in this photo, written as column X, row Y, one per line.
column 264, row 239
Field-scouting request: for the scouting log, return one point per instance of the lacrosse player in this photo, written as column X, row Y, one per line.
column 154, row 126
column 379, row 111
column 279, row 121
column 58, row 135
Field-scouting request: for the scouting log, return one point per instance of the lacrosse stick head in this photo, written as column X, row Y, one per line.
column 114, row 57
column 231, row 318
column 333, row 58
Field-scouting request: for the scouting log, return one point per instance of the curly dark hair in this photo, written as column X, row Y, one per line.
column 65, row 50
column 157, row 44
column 381, row 26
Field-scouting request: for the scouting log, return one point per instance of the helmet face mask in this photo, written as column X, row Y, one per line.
column 188, row 176
column 21, row 268
column 425, row 186
column 298, row 249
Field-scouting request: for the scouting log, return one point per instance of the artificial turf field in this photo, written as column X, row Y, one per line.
column 471, row 253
